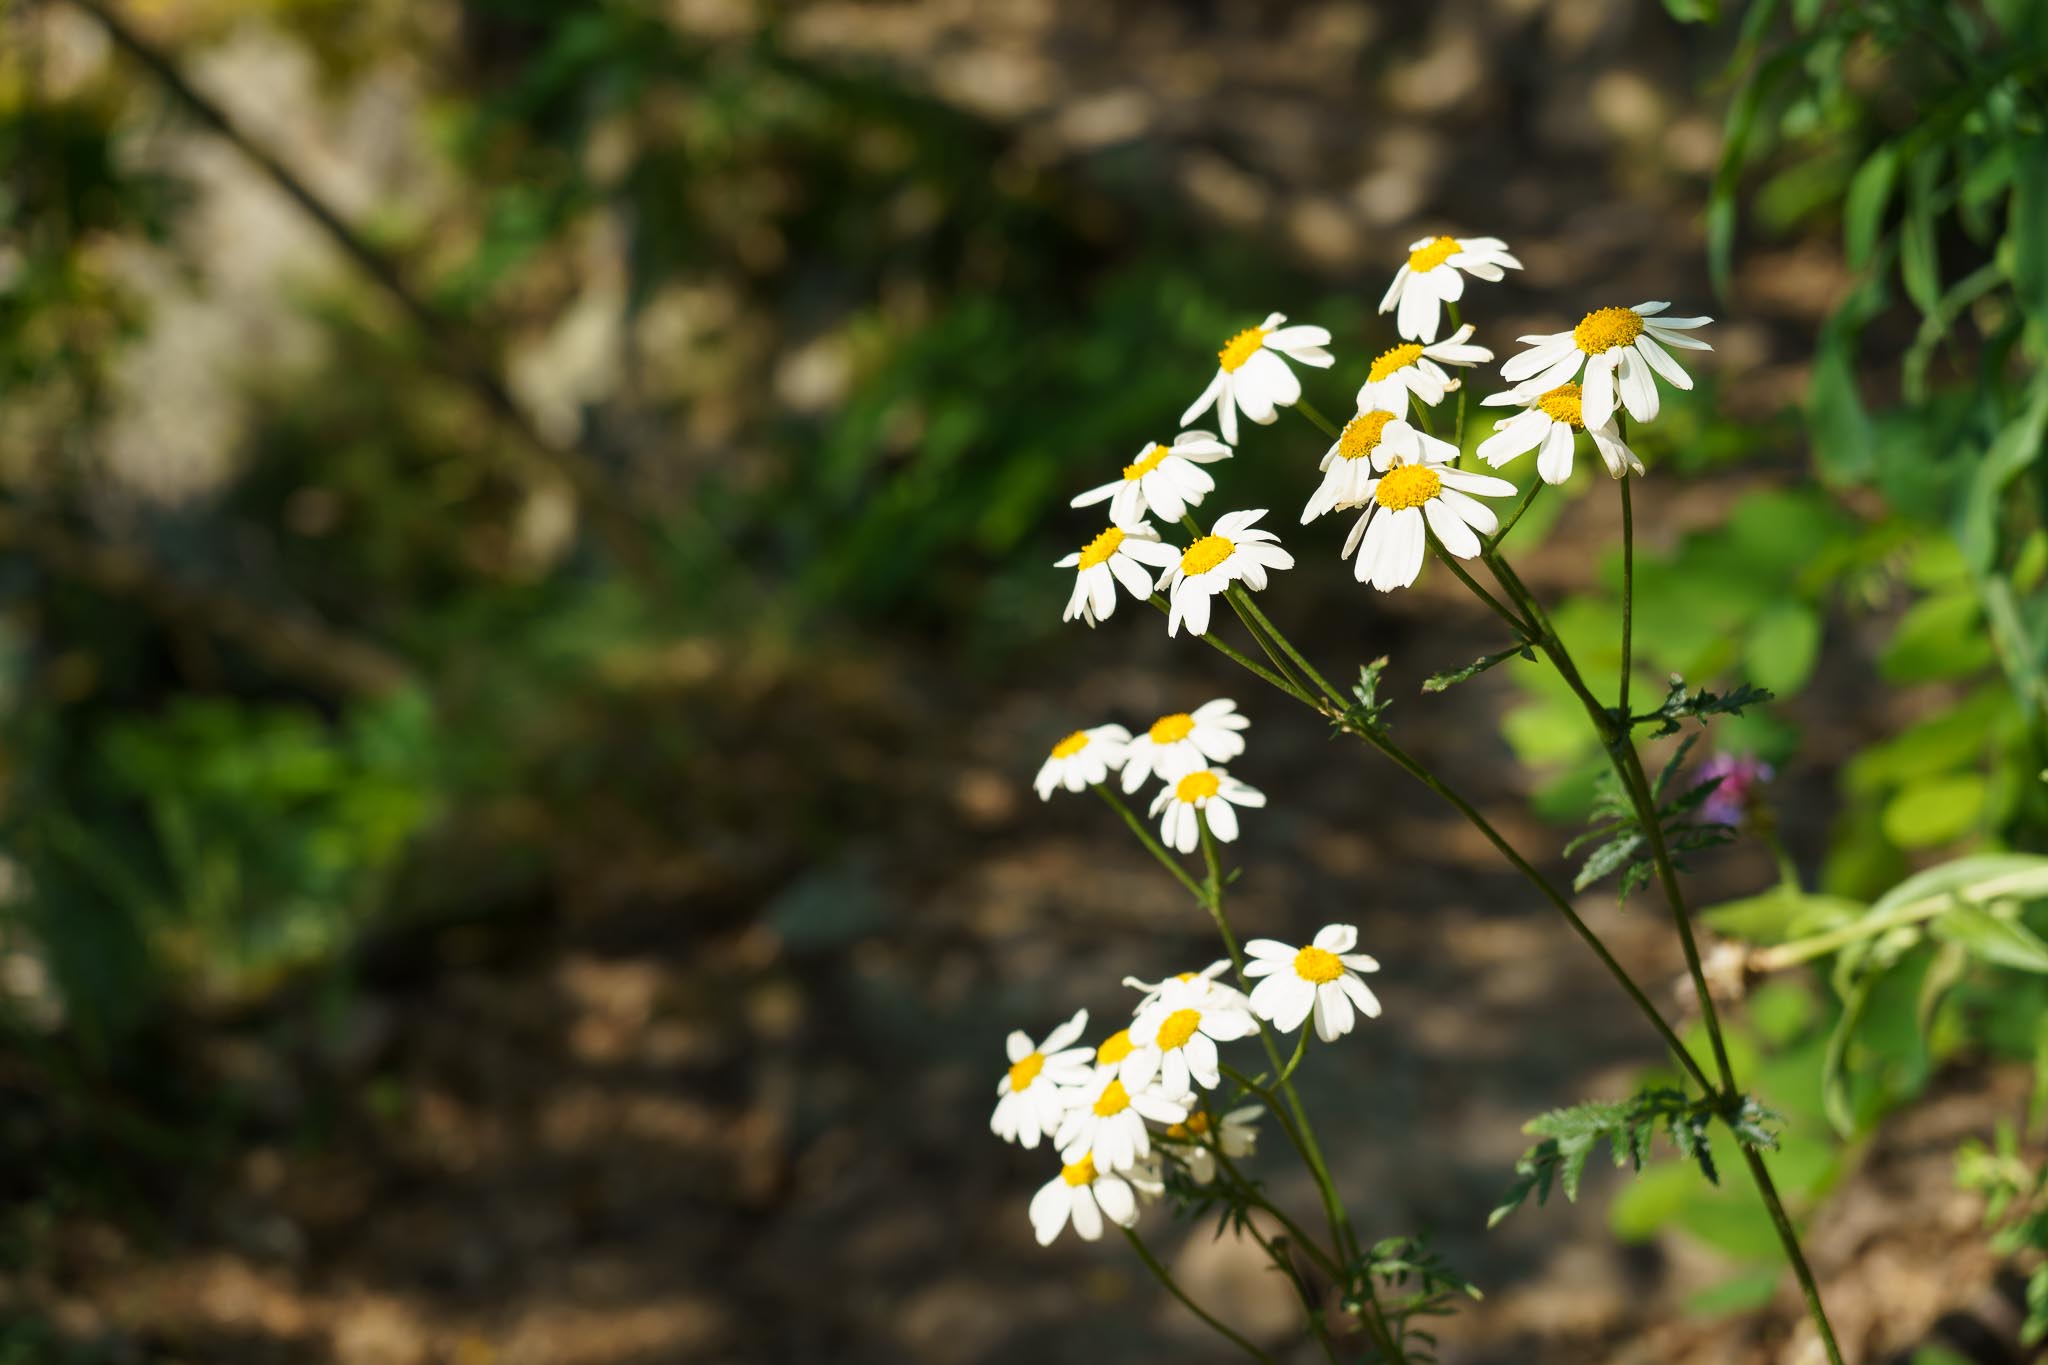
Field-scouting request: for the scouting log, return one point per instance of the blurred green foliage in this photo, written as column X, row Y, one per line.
column 1920, row 129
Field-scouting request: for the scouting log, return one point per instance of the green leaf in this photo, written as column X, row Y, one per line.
column 1693, row 11
column 1783, row 645
column 1870, row 191
column 1780, row 914
column 1935, row 810
column 1437, row 682
column 2027, row 230
column 1939, row 638
column 2001, row 942
column 1742, row 1293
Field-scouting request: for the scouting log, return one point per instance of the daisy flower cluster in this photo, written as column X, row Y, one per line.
column 1185, row 751
column 1141, row 1106
column 1384, row 462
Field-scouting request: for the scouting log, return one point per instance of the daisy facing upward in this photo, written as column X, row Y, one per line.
column 1406, row 503
column 1413, row 368
column 1206, row 793
column 1549, row 425
column 1163, row 479
column 1184, row 741
column 1120, row 554
column 1431, row 277
column 1082, row 759
column 1035, row 1090
column 1236, row 551
column 1618, row 347
column 1320, row 978
column 1372, row 438
column 1252, row 378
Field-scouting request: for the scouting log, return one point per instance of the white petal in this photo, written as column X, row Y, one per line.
column 1337, row 938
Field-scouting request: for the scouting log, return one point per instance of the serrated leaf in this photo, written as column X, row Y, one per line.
column 1438, row 682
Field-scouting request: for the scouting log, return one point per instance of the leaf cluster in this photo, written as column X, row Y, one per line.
column 1621, row 844
column 1439, row 682
column 2016, row 1205
column 1368, row 710
column 1629, row 1128
column 1425, row 1288
column 1699, row 704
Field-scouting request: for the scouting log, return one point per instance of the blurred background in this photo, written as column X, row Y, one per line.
column 527, row 623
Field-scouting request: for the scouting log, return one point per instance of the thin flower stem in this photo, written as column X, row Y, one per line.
column 1152, row 845
column 1615, row 731
column 1249, row 665
column 1523, row 630
column 1252, row 1195
column 1414, row 768
column 1304, row 1133
column 1528, row 496
column 1628, row 585
column 1300, row 1051
column 1788, row 1236
column 1310, row 1309
column 1464, row 385
column 1161, row 1274
column 1308, row 410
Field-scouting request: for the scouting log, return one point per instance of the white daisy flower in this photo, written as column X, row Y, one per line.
column 1430, row 278
column 1389, row 536
column 1235, row 551
column 1412, row 368
column 1194, row 1143
column 1208, row 980
column 1619, row 348
column 1211, row 792
column 1034, row 1090
column 1253, row 379
column 1321, row 978
column 1085, row 1196
column 1184, row 741
column 1106, row 1122
column 1185, row 1024
column 1165, row 479
column 1548, row 424
column 1082, row 759
column 1372, row 438
column 1119, row 1056
column 1121, row 554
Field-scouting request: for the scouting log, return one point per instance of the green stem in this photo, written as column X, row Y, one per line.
column 1251, row 666
column 1160, row 1273
column 1628, row 584
column 1341, row 1233
column 1415, row 769
column 1788, row 1237
column 1614, row 728
column 1523, row 630
column 1528, row 496
column 1152, row 845
column 1308, row 410
column 1310, row 1309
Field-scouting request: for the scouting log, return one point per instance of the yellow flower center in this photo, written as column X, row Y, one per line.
column 1197, row 1124
column 1317, row 965
column 1147, row 464
column 1204, row 555
column 1023, row 1073
column 1562, row 403
column 1197, row 785
column 1102, row 547
column 1362, row 434
column 1081, row 1172
column 1184, row 976
column 1433, row 253
column 1178, row 1028
column 1605, row 328
column 1071, row 745
column 1410, row 485
column 1113, row 1100
column 1115, row 1048
column 1241, row 347
column 1172, row 729
column 1386, row 362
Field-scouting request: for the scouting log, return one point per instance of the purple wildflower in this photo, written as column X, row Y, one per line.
column 1740, row 791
